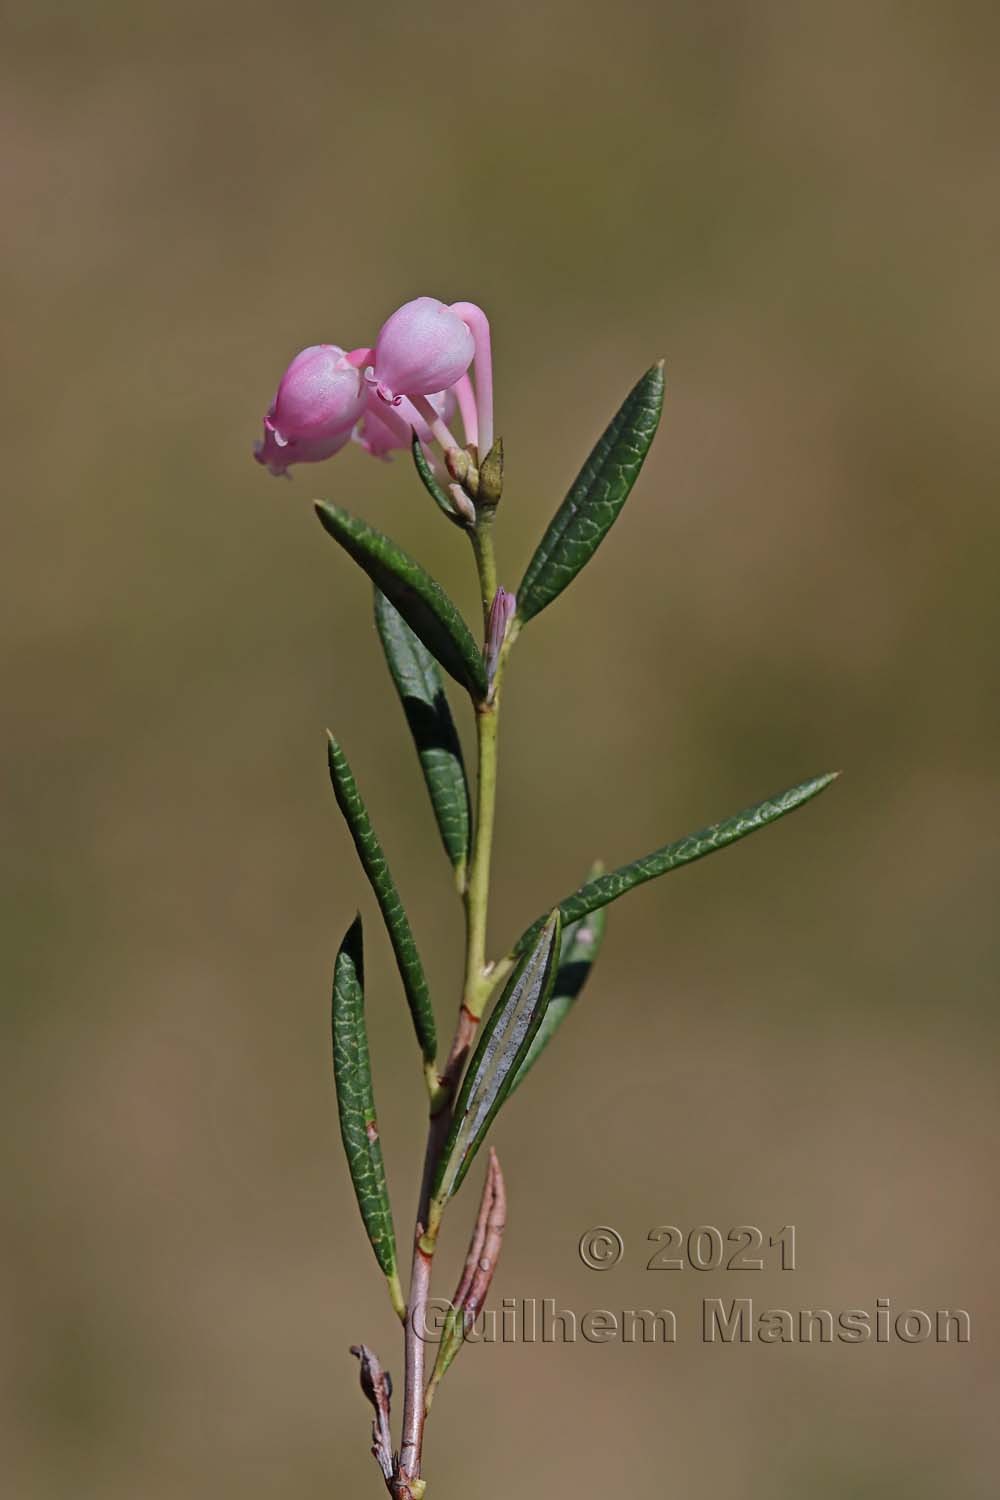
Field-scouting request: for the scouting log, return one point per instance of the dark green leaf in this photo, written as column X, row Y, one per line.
column 440, row 496
column 590, row 509
column 422, row 602
column 607, row 888
column 580, row 946
column 502, row 1048
column 356, row 1104
column 375, row 867
column 418, row 682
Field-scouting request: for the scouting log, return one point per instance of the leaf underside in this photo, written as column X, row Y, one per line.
column 502, row 1047
column 355, row 1100
column 608, row 888
column 421, row 691
column 595, row 500
column 422, row 602
column 397, row 924
column 428, row 478
column 581, row 943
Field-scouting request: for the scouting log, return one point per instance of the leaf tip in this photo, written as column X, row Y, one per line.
column 353, row 946
column 807, row 790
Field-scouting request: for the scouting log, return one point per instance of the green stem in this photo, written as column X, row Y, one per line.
column 481, row 537
column 478, row 890
column 477, row 984
column 475, row 992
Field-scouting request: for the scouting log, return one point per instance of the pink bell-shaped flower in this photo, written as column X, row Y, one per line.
column 384, row 430
column 277, row 458
column 423, row 347
column 320, row 397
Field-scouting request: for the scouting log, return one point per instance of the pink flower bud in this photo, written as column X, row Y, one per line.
column 320, row 397
column 423, row 347
column 501, row 610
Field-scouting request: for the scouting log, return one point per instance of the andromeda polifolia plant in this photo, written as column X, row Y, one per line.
column 426, row 386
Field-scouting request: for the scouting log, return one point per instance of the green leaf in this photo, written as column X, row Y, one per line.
column 607, row 888
column 590, row 509
column 356, row 1106
column 502, row 1048
column 422, row 602
column 440, row 496
column 421, row 691
column 375, row 867
column 580, row 946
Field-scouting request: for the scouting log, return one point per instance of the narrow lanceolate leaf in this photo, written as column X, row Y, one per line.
column 502, row 1048
column 428, row 478
column 580, row 946
column 421, row 691
column 477, row 1274
column 607, row 888
column 369, row 849
column 422, row 602
column 356, row 1105
column 590, row 509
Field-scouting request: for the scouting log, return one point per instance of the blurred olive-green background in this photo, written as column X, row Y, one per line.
column 797, row 206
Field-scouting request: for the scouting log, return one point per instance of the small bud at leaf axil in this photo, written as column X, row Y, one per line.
column 501, row 610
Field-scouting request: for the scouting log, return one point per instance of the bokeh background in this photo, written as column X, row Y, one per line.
column 797, row 206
